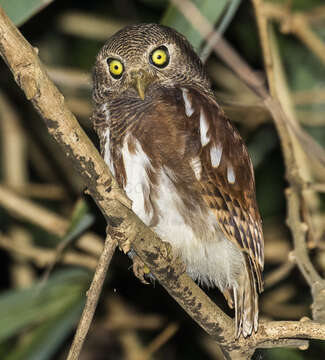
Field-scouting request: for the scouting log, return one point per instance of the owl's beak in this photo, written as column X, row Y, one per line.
column 140, row 81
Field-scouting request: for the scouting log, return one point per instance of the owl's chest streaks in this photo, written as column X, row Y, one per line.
column 157, row 123
column 150, row 148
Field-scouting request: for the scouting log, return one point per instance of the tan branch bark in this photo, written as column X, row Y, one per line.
column 92, row 298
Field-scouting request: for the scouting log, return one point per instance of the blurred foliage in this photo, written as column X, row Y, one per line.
column 36, row 322
column 211, row 9
column 49, row 310
column 20, row 11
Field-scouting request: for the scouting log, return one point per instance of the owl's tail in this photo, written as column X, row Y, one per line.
column 244, row 298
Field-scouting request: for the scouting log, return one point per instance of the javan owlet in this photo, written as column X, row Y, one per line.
column 181, row 161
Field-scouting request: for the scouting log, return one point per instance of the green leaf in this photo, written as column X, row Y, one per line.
column 80, row 221
column 24, row 308
column 42, row 342
column 299, row 5
column 20, row 11
column 305, row 73
column 211, row 9
column 284, row 354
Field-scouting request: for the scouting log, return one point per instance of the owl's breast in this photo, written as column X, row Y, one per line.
column 150, row 150
column 171, row 208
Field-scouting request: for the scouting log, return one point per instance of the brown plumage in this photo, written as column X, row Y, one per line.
column 181, row 161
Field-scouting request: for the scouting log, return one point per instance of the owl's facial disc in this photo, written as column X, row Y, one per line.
column 140, row 80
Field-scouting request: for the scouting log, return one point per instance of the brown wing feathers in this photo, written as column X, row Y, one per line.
column 228, row 187
column 233, row 203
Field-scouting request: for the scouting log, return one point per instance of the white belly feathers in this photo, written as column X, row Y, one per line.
column 211, row 259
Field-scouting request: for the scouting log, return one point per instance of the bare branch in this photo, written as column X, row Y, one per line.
column 92, row 298
column 296, row 23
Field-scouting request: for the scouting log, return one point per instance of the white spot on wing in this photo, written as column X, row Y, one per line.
column 196, row 166
column 204, row 127
column 231, row 174
column 188, row 104
column 215, row 155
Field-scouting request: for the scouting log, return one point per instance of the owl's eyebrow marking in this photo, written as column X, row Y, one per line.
column 215, row 155
column 197, row 167
column 204, row 127
column 231, row 175
column 188, row 104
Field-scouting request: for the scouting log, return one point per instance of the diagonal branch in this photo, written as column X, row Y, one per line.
column 92, row 298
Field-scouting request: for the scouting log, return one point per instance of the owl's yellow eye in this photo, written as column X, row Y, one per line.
column 116, row 68
column 160, row 57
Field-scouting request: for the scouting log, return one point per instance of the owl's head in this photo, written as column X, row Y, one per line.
column 140, row 55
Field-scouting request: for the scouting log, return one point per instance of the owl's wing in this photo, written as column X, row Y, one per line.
column 226, row 180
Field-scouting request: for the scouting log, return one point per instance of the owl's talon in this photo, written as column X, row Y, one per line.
column 140, row 269
column 126, row 247
column 179, row 264
column 166, row 251
column 123, row 244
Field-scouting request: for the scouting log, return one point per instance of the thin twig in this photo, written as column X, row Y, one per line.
column 320, row 187
column 48, row 220
column 40, row 191
column 208, row 48
column 32, row 212
column 22, row 272
column 92, row 298
column 42, row 256
column 278, row 274
column 13, row 144
column 89, row 26
column 296, row 23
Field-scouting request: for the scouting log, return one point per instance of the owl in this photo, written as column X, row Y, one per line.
column 181, row 161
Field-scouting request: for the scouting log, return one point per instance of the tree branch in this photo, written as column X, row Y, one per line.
column 92, row 298
column 296, row 23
